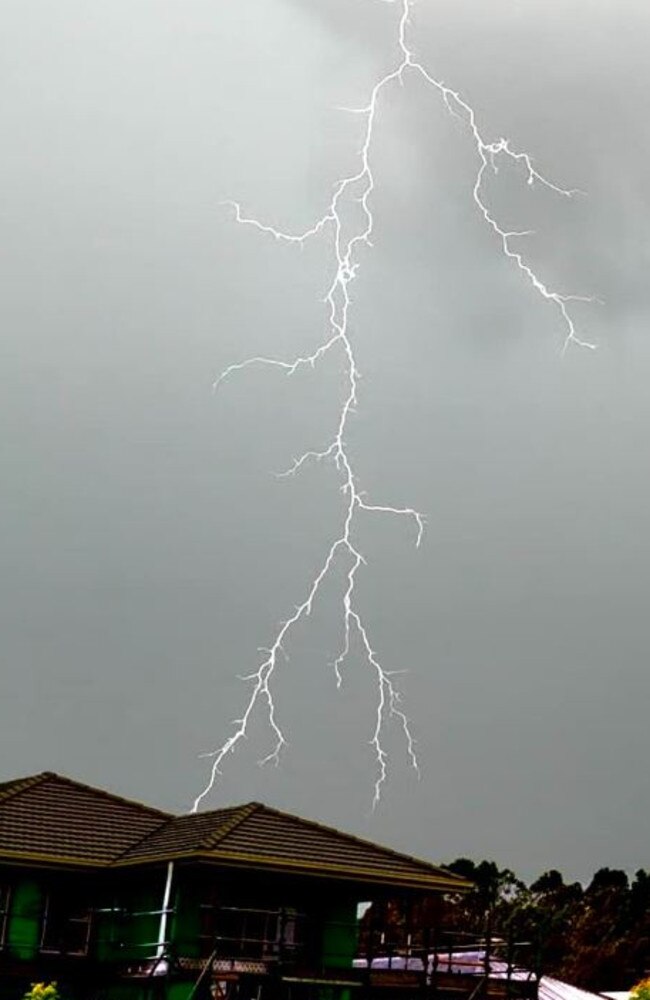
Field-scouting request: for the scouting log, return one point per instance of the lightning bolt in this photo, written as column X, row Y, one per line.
column 358, row 188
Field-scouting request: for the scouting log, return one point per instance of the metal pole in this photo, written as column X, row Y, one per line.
column 164, row 914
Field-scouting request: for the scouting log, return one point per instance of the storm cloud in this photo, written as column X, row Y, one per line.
column 149, row 550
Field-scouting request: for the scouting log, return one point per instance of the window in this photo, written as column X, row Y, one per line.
column 5, row 896
column 66, row 923
column 249, row 934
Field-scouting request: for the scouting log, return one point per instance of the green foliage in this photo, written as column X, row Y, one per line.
column 596, row 937
column 43, row 991
column 641, row 991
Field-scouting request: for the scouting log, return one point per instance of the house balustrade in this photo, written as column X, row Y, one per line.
column 242, row 946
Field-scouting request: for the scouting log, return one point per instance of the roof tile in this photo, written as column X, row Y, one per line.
column 55, row 820
column 51, row 817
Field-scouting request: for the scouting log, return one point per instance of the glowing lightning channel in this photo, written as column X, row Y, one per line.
column 338, row 305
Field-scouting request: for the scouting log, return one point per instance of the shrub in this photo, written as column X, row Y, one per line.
column 47, row 991
column 641, row 991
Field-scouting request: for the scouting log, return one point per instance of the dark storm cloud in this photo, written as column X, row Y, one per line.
column 149, row 550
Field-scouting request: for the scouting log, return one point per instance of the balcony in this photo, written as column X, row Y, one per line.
column 276, row 952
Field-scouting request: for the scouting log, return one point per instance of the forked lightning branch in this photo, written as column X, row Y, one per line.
column 343, row 556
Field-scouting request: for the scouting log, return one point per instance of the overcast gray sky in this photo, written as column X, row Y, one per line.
column 148, row 549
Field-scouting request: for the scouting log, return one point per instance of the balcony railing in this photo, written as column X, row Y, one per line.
column 292, row 947
column 260, row 949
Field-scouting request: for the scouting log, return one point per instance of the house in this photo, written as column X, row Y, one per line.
column 116, row 900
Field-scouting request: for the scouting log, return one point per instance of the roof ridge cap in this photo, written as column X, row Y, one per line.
column 369, row 843
column 241, row 813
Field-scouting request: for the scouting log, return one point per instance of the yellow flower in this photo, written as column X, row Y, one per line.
column 43, row 991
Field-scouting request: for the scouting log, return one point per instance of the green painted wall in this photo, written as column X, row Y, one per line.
column 179, row 991
column 126, row 926
column 340, row 935
column 131, row 934
column 185, row 925
column 334, row 993
column 24, row 923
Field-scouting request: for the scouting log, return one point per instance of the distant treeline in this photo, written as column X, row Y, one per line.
column 596, row 937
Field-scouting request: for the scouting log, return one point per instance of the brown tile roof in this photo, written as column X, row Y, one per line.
column 53, row 819
column 257, row 836
column 186, row 835
column 48, row 817
column 8, row 788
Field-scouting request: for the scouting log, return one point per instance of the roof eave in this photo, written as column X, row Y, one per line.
column 230, row 860
column 432, row 883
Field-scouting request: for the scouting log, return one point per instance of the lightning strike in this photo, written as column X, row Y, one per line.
column 358, row 187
